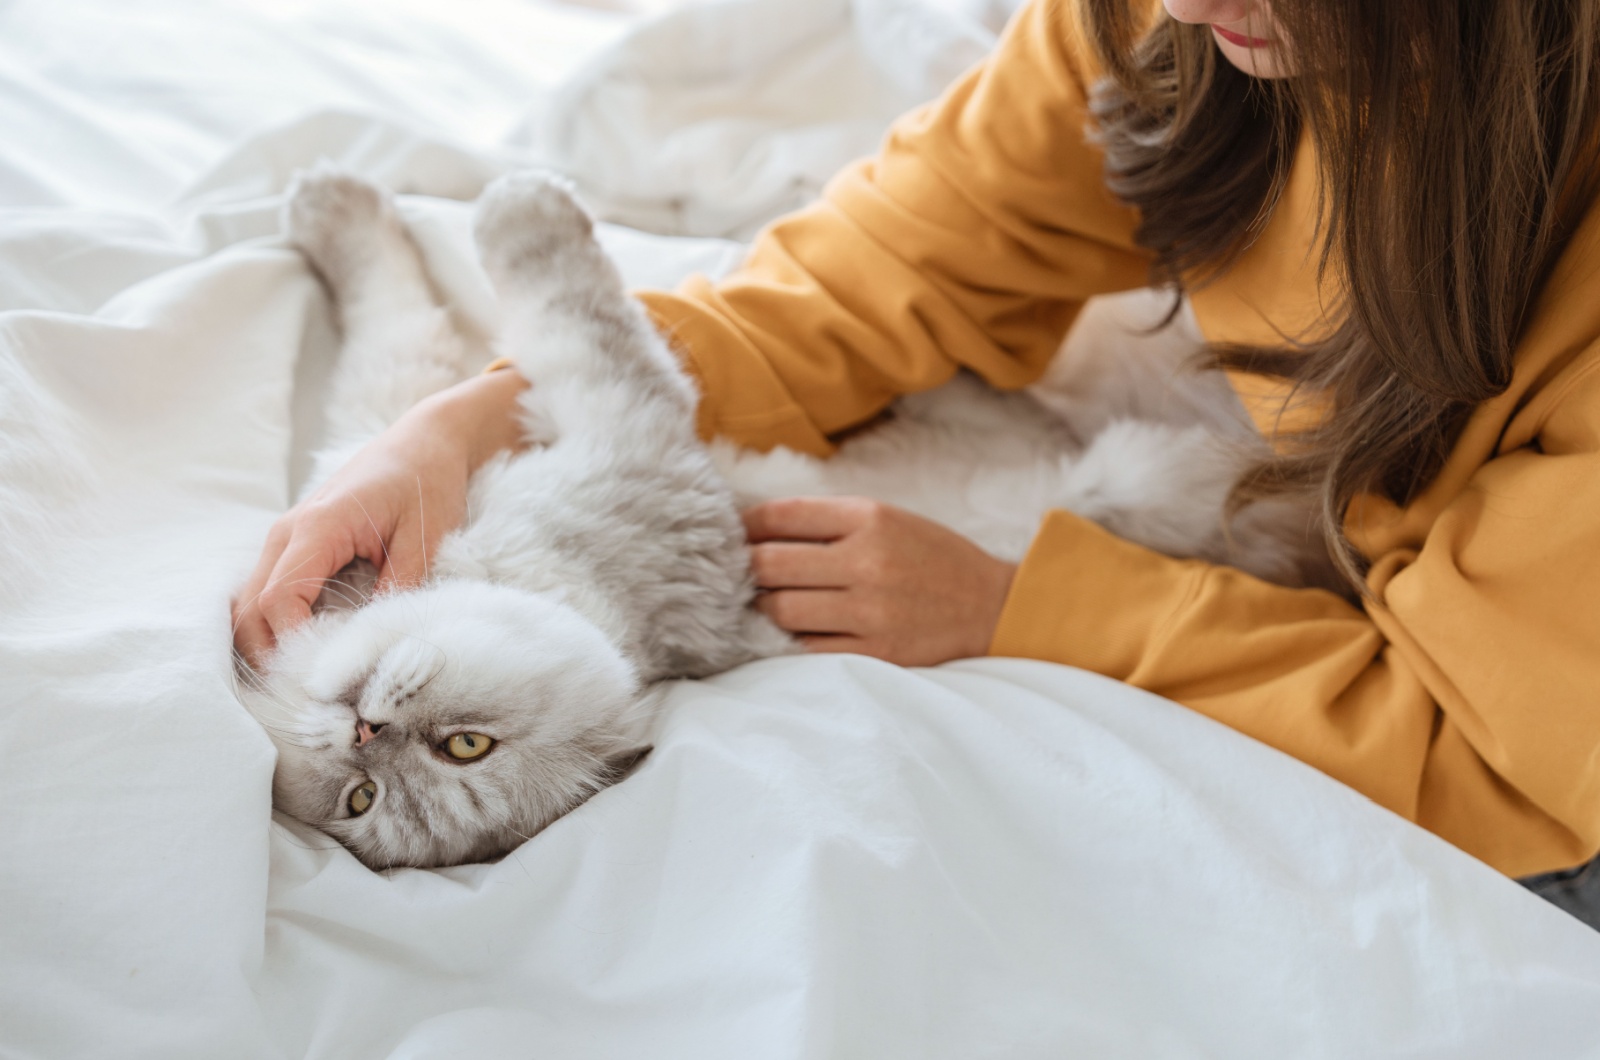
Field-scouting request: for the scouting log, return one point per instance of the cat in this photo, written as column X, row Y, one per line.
column 447, row 723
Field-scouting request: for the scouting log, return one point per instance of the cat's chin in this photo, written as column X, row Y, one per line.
column 541, row 683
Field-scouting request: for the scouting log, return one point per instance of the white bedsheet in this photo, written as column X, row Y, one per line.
column 822, row 858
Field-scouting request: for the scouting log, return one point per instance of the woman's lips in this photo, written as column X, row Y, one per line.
column 1239, row 38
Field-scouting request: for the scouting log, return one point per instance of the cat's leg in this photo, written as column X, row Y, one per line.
column 399, row 344
column 597, row 366
column 629, row 520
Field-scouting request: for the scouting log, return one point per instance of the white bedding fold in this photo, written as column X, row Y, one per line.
column 823, row 857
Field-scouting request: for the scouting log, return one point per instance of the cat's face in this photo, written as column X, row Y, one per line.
column 443, row 725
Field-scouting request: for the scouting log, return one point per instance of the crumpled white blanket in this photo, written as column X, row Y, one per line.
column 719, row 117
column 822, row 858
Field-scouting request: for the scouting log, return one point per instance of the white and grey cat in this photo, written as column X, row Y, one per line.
column 447, row 723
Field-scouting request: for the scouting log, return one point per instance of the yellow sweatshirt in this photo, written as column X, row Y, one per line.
column 1465, row 698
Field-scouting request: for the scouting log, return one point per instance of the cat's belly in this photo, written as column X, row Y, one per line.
column 991, row 466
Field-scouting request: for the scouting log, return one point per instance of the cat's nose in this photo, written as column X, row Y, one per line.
column 366, row 731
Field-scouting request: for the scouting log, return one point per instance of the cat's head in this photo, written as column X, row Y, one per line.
column 443, row 725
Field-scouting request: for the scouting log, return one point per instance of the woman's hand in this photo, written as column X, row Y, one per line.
column 849, row 574
column 390, row 505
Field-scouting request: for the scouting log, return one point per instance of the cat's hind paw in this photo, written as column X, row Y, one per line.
column 338, row 221
column 529, row 226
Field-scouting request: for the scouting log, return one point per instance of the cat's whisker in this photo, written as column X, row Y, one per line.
column 344, row 594
column 238, row 616
column 288, row 735
column 242, row 668
column 280, row 716
column 508, row 825
column 286, row 716
column 249, row 680
column 283, row 580
column 516, row 856
column 437, row 670
column 270, row 707
column 326, row 583
column 283, row 725
column 422, row 528
column 275, row 698
column 292, row 839
column 444, row 656
column 382, row 544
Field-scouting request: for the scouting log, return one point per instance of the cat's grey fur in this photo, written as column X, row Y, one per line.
column 610, row 555
column 605, row 557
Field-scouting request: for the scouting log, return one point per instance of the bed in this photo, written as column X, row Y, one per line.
column 824, row 857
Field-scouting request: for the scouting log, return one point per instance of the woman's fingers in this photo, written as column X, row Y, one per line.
column 799, row 565
column 303, row 551
column 389, row 505
column 405, row 561
column 251, row 634
column 277, row 540
column 809, row 610
column 880, row 580
column 808, row 518
column 299, row 576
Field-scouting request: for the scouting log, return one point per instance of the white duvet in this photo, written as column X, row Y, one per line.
column 824, row 857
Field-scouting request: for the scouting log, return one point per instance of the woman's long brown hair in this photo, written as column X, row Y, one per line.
column 1457, row 146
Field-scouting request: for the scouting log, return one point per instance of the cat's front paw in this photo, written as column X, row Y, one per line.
column 334, row 218
column 529, row 225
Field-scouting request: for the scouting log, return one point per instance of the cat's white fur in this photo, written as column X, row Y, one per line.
column 609, row 554
column 1124, row 429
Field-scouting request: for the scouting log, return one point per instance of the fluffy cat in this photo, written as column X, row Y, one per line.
column 448, row 723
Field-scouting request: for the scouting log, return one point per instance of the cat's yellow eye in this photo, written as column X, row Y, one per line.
column 465, row 746
column 361, row 798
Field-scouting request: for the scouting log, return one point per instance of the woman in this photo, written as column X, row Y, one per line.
column 1380, row 211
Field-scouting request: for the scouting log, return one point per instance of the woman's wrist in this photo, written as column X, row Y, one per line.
column 481, row 415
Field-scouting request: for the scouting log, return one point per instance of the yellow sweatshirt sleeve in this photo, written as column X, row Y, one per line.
column 971, row 240
column 1464, row 699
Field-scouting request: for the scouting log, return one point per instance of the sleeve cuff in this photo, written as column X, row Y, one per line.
column 1086, row 598
column 741, row 397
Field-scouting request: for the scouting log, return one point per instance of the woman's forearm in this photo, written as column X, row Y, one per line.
column 481, row 415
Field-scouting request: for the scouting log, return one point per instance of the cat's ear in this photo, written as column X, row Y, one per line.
column 620, row 763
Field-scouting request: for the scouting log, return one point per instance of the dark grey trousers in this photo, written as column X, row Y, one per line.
column 1575, row 890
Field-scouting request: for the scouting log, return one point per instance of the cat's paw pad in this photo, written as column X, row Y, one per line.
column 333, row 218
column 529, row 223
